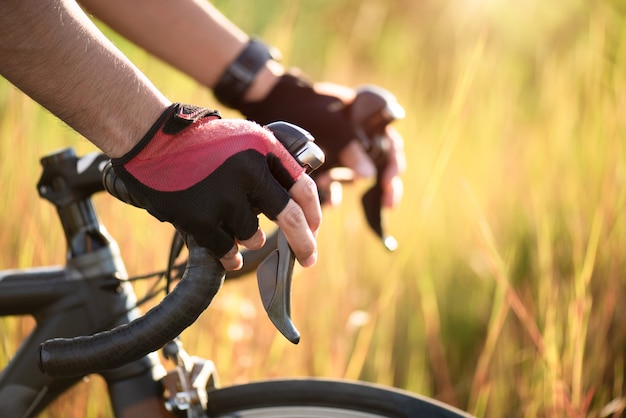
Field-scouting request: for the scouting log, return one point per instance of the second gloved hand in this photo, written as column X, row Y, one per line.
column 324, row 114
column 324, row 109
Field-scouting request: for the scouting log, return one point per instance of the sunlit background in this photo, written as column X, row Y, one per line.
column 505, row 296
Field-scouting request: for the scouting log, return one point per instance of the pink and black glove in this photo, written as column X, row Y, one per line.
column 208, row 176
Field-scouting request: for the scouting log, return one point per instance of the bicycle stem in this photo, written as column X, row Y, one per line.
column 68, row 182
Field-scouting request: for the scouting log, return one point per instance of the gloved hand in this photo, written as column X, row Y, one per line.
column 323, row 109
column 210, row 177
column 293, row 99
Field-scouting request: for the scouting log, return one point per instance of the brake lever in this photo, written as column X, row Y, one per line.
column 274, row 274
column 372, row 109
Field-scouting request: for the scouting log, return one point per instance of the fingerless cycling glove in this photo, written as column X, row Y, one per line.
column 208, row 176
column 294, row 100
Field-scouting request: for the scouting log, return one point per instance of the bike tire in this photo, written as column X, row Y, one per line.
column 323, row 398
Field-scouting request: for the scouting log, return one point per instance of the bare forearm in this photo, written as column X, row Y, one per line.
column 191, row 35
column 52, row 52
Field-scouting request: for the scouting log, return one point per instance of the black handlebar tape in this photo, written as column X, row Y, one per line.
column 203, row 277
column 115, row 186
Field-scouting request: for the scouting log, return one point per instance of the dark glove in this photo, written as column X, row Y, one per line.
column 294, row 100
column 209, row 176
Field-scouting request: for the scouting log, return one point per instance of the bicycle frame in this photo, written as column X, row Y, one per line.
column 86, row 295
column 90, row 293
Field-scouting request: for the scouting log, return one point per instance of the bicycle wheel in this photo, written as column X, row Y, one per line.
column 320, row 398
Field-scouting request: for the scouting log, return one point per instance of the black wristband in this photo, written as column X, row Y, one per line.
column 235, row 81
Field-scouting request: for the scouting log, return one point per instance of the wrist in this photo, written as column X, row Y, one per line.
column 126, row 133
column 264, row 82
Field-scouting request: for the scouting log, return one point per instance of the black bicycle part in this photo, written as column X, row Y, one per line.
column 54, row 289
column 89, row 293
column 66, row 357
column 275, row 272
column 68, row 182
column 65, row 302
column 301, row 397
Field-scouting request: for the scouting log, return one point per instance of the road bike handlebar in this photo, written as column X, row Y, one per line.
column 66, row 357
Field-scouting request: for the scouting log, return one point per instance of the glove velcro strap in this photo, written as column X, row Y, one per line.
column 173, row 120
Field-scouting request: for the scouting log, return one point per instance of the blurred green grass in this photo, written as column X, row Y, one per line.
column 504, row 297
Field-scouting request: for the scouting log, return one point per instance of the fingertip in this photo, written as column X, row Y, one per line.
column 256, row 241
column 354, row 157
column 233, row 260
column 310, row 261
column 365, row 168
column 393, row 192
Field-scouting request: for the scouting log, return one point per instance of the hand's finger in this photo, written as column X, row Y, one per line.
column 396, row 165
column 232, row 260
column 354, row 156
column 255, row 242
column 392, row 192
column 301, row 239
column 304, row 193
column 346, row 94
column 329, row 184
column 301, row 219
